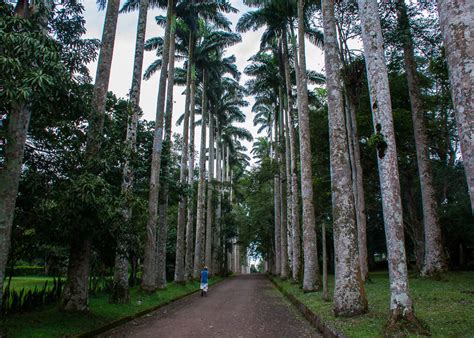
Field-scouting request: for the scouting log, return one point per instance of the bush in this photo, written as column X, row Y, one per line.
column 26, row 270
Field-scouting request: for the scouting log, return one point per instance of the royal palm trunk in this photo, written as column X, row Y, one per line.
column 179, row 274
column 210, row 192
column 311, row 280
column 200, row 215
column 120, row 293
column 295, row 210
column 434, row 260
column 149, row 258
column 75, row 293
column 349, row 293
column 401, row 306
column 163, row 216
column 456, row 19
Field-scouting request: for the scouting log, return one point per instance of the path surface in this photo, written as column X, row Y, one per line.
column 244, row 306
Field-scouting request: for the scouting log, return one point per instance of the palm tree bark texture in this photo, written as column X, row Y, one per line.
column 349, row 293
column 401, row 305
column 75, row 295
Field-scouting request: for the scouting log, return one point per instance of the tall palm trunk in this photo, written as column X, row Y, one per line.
column 358, row 188
column 120, row 292
column 283, row 195
column 210, row 193
column 311, row 280
column 295, row 210
column 19, row 119
column 434, row 262
column 179, row 274
column 149, row 260
column 163, row 216
column 217, row 234
column 189, row 263
column 276, row 200
column 200, row 215
column 75, row 294
column 401, row 306
column 456, row 20
column 349, row 293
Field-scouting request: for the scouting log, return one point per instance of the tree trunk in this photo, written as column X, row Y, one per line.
column 434, row 262
column 179, row 274
column 276, row 200
column 210, row 193
column 401, row 306
column 311, row 280
column 325, row 295
column 148, row 283
column 75, row 293
column 19, row 119
column 163, row 218
column 283, row 196
column 217, row 233
column 295, row 210
column 189, row 263
column 456, row 18
column 358, row 185
column 349, row 293
column 75, row 296
column 120, row 293
column 200, row 216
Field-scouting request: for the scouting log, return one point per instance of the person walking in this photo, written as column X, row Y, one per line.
column 204, row 280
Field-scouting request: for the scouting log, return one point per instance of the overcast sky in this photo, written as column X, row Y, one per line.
column 122, row 64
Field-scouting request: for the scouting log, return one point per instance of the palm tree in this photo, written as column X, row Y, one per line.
column 456, row 22
column 311, row 269
column 120, row 291
column 434, row 262
column 401, row 306
column 349, row 293
column 149, row 279
column 209, row 61
column 75, row 295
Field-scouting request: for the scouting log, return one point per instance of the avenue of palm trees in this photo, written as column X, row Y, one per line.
column 193, row 53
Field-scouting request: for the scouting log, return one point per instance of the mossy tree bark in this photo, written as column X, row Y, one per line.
column 401, row 306
column 349, row 292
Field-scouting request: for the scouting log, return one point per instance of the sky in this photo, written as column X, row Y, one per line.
column 122, row 64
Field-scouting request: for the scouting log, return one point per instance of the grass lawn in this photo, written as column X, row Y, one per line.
column 447, row 306
column 51, row 322
column 27, row 282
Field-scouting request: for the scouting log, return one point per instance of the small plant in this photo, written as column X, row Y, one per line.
column 14, row 301
column 378, row 141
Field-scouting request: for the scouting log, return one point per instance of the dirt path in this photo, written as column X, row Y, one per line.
column 244, row 306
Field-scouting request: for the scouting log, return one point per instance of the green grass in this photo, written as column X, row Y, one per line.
column 446, row 306
column 29, row 283
column 51, row 322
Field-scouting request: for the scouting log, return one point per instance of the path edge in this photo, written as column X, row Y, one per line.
column 324, row 327
column 127, row 319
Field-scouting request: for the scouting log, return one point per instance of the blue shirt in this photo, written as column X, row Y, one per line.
column 204, row 275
